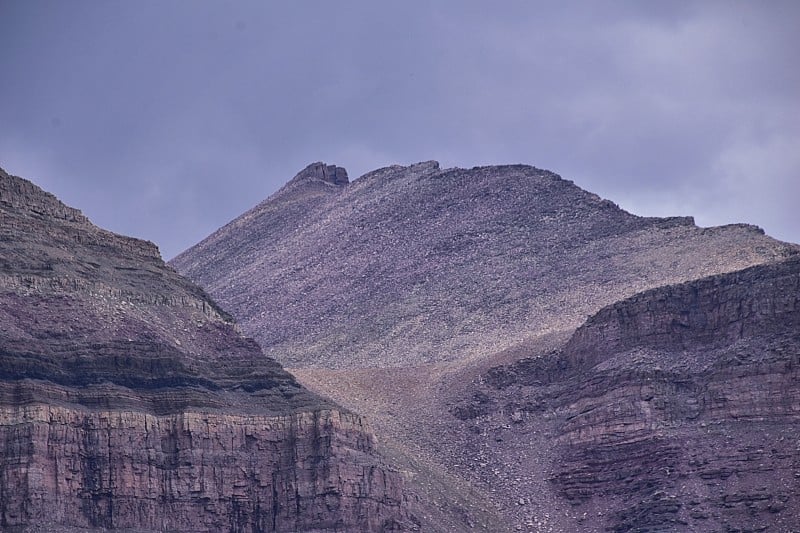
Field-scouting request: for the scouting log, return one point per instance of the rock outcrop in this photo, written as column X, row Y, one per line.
column 676, row 409
column 419, row 264
column 130, row 401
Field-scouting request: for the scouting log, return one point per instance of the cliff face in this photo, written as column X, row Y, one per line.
column 676, row 409
column 706, row 313
column 441, row 301
column 193, row 471
column 129, row 400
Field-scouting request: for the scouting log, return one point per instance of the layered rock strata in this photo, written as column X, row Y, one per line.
column 676, row 409
column 129, row 400
column 193, row 471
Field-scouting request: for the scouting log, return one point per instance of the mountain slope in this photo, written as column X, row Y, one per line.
column 401, row 294
column 677, row 409
column 128, row 399
column 417, row 264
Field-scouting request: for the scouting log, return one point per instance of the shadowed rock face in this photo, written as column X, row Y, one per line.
column 128, row 399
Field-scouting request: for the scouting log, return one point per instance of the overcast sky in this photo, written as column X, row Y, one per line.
column 166, row 119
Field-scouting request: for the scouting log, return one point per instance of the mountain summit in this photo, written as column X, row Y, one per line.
column 451, row 305
column 420, row 264
column 322, row 172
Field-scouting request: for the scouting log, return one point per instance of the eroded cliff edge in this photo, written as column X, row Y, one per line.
column 675, row 409
column 129, row 400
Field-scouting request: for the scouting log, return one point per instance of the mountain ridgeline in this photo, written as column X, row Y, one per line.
column 450, row 306
column 419, row 264
column 530, row 356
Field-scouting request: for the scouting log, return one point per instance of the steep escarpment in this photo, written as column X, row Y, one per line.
column 130, row 401
column 193, row 471
column 760, row 301
column 418, row 264
column 676, row 409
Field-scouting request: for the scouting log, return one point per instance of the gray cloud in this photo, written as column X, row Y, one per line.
column 164, row 120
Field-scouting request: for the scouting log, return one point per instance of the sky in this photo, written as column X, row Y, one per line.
column 165, row 119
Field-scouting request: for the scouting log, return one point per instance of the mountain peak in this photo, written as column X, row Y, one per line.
column 320, row 171
column 394, row 293
column 447, row 253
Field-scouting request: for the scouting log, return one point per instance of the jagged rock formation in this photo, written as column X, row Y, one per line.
column 418, row 264
column 129, row 400
column 675, row 410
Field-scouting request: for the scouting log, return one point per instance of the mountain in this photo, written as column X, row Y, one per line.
column 450, row 306
column 417, row 264
column 130, row 401
column 677, row 409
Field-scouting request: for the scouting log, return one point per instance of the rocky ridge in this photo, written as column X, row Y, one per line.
column 418, row 264
column 439, row 302
column 130, row 401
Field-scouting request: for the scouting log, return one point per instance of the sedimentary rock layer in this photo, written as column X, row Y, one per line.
column 193, row 471
column 419, row 264
column 129, row 399
column 676, row 409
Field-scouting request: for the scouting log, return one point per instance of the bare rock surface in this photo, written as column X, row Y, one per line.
column 675, row 410
column 439, row 302
column 130, row 401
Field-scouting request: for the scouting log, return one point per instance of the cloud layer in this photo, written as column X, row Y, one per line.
column 164, row 120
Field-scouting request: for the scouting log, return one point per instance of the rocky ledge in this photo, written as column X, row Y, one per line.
column 130, row 401
column 677, row 409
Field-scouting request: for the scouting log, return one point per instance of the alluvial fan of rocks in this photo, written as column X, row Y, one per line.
column 130, row 401
column 451, row 305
